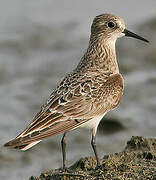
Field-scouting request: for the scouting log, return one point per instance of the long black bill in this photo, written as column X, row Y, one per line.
column 131, row 34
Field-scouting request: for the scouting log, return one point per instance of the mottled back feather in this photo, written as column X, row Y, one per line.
column 92, row 89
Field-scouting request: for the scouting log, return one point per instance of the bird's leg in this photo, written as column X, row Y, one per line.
column 93, row 143
column 63, row 145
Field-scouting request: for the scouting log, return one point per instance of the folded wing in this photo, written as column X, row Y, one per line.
column 71, row 105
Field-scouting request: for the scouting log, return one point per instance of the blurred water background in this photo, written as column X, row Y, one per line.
column 40, row 42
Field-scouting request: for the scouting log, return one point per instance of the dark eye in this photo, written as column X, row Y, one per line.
column 111, row 24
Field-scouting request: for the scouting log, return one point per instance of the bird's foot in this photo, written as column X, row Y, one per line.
column 98, row 165
column 66, row 170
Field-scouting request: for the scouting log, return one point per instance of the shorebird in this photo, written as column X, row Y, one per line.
column 85, row 95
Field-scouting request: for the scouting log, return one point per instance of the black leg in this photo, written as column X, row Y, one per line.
column 63, row 145
column 93, row 143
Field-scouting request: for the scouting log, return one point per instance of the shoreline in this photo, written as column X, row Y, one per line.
column 137, row 161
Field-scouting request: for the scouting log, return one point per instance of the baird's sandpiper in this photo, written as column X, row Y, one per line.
column 85, row 95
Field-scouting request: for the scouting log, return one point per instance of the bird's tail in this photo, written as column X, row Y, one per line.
column 17, row 144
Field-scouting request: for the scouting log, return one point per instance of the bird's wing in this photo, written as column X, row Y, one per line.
column 73, row 103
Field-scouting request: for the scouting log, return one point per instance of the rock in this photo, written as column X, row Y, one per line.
column 110, row 126
column 137, row 161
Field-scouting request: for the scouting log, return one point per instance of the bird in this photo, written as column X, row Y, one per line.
column 86, row 94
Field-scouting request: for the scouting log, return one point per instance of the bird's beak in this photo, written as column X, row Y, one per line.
column 131, row 34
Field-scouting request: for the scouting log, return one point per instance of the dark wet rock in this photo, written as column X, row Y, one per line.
column 141, row 144
column 110, row 126
column 137, row 161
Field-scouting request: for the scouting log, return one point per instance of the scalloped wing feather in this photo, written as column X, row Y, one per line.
column 68, row 108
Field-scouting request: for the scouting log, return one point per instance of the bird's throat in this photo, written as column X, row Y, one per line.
column 100, row 56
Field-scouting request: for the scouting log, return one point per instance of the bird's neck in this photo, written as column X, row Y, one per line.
column 100, row 56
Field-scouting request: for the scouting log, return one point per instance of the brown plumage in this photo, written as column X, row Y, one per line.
column 82, row 102
column 86, row 94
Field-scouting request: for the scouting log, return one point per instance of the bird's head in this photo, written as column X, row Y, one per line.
column 111, row 27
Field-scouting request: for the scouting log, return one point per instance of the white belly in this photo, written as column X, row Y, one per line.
column 93, row 123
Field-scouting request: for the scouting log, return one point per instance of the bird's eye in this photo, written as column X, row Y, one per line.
column 111, row 24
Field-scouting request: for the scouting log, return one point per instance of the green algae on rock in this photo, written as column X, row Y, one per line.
column 137, row 161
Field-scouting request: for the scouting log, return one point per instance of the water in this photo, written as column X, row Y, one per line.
column 41, row 41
